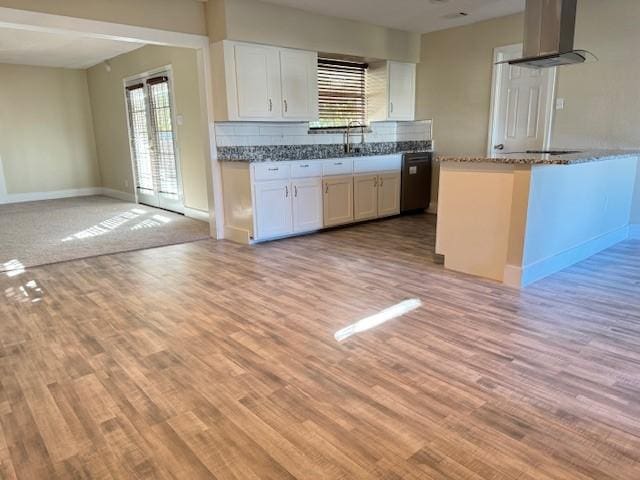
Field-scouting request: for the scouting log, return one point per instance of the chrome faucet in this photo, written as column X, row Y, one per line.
column 347, row 134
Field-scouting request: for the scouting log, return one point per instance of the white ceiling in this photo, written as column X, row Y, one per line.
column 413, row 15
column 25, row 47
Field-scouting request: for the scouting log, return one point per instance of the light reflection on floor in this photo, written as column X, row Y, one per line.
column 118, row 221
column 29, row 292
column 13, row 268
column 378, row 319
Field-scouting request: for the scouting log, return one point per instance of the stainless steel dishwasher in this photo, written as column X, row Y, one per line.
column 416, row 181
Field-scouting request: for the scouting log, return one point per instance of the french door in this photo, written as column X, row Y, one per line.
column 153, row 145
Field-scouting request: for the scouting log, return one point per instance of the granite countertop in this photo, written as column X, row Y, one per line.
column 281, row 153
column 523, row 158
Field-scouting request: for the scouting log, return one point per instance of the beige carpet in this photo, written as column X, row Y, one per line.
column 38, row 233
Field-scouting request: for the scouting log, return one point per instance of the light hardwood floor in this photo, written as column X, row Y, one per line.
column 216, row 360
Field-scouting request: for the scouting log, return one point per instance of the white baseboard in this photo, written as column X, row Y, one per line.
column 634, row 231
column 37, row 196
column 196, row 214
column 512, row 276
column 3, row 186
column 124, row 196
column 237, row 235
column 518, row 277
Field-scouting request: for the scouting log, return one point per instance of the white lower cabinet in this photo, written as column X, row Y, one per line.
column 273, row 209
column 284, row 207
column 338, row 200
column 376, row 195
column 389, row 194
column 270, row 200
column 365, row 197
column 307, row 204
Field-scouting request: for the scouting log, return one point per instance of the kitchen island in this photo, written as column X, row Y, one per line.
column 520, row 217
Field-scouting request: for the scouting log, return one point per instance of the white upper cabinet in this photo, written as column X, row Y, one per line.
column 262, row 83
column 402, row 91
column 391, row 91
column 257, row 81
column 299, row 74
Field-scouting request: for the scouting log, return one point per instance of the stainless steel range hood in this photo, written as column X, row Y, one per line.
column 549, row 34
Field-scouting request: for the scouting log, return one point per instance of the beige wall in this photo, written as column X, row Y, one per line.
column 255, row 21
column 110, row 120
column 185, row 16
column 602, row 108
column 454, row 82
column 46, row 132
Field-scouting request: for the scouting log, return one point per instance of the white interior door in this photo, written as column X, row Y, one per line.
column 153, row 147
column 522, row 105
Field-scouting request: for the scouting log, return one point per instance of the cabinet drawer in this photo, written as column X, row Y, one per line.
column 337, row 166
column 305, row 169
column 379, row 163
column 271, row 171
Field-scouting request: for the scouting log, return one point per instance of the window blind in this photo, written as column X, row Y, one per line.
column 163, row 135
column 341, row 93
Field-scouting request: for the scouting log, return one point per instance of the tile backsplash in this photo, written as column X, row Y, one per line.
column 231, row 134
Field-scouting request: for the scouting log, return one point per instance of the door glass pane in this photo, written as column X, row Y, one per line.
column 164, row 150
column 140, row 138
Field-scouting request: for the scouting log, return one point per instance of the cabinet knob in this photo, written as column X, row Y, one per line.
column 286, row 106
column 270, row 105
column 391, row 107
column 295, row 191
column 326, row 188
column 273, row 169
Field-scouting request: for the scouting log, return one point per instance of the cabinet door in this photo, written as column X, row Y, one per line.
column 365, row 195
column 298, row 73
column 389, row 194
column 307, row 205
column 257, row 82
column 402, row 91
column 338, row 200
column 273, row 209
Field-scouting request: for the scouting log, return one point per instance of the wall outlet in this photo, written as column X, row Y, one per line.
column 559, row 103
column 180, row 119
column 126, row 184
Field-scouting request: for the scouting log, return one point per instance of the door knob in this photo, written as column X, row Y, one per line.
column 499, row 146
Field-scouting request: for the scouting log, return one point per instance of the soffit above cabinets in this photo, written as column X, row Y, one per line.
column 45, row 49
column 420, row 16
